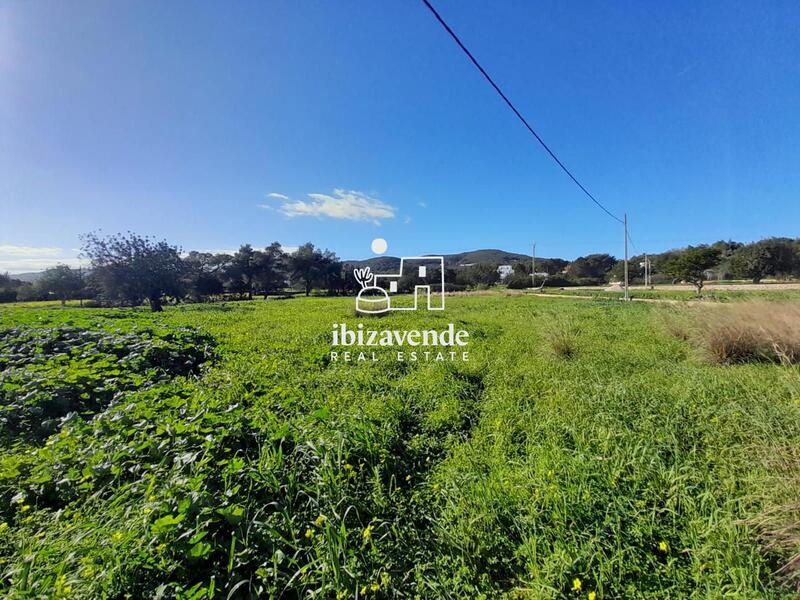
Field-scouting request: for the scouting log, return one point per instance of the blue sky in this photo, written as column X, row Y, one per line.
column 364, row 120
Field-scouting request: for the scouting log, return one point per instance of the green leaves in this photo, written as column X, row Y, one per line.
column 232, row 514
column 166, row 524
column 46, row 374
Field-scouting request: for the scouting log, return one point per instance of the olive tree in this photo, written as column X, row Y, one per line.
column 61, row 282
column 131, row 268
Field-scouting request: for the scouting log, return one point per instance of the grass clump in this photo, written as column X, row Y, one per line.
column 750, row 332
column 562, row 338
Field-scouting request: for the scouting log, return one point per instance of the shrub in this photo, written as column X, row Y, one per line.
column 558, row 281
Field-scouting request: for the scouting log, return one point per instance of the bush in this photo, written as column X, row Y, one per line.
column 518, row 281
column 558, row 281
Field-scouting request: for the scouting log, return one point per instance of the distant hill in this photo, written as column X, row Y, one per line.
column 32, row 277
column 490, row 256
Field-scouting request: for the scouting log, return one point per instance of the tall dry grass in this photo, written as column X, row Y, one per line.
column 748, row 332
column 778, row 525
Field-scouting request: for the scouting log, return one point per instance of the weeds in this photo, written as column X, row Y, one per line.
column 749, row 332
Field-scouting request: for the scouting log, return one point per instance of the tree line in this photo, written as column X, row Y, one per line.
column 723, row 260
column 129, row 269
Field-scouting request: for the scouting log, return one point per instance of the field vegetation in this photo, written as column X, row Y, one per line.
column 657, row 293
column 586, row 450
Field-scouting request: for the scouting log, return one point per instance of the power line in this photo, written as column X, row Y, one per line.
column 516, row 112
column 630, row 239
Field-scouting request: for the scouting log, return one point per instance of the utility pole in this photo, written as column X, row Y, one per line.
column 627, row 296
column 533, row 266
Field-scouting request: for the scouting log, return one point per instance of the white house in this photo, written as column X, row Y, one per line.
column 505, row 271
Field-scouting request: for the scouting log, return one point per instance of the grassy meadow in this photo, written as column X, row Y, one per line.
column 215, row 451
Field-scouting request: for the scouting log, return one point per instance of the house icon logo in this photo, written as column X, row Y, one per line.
column 418, row 282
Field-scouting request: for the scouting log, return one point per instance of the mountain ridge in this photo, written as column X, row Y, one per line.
column 485, row 256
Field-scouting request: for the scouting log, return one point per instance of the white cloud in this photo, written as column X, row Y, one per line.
column 423, row 204
column 278, row 196
column 9, row 250
column 20, row 259
column 343, row 204
column 407, row 220
column 24, row 265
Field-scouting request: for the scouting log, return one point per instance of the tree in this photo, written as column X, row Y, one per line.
column 10, row 288
column 783, row 256
column 243, row 269
column 202, row 274
column 593, row 266
column 306, row 265
column 60, row 281
column 635, row 269
column 479, row 275
column 131, row 268
column 691, row 265
column 271, row 268
column 751, row 262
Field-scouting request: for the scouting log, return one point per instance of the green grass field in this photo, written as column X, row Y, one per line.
column 582, row 452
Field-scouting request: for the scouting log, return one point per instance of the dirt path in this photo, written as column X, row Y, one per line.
column 655, row 300
column 712, row 287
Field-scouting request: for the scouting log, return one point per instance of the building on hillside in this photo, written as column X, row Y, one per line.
column 505, row 271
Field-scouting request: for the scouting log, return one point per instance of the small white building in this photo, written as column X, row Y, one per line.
column 505, row 271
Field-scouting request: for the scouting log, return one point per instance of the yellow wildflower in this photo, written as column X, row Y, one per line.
column 436, row 487
column 375, row 587
column 576, row 585
column 592, row 596
column 341, row 595
column 364, row 591
column 309, row 534
column 320, row 520
column 25, row 508
column 408, row 477
column 367, row 535
column 116, row 536
column 663, row 546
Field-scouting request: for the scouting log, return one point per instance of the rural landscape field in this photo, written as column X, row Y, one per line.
column 587, row 449
column 417, row 300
